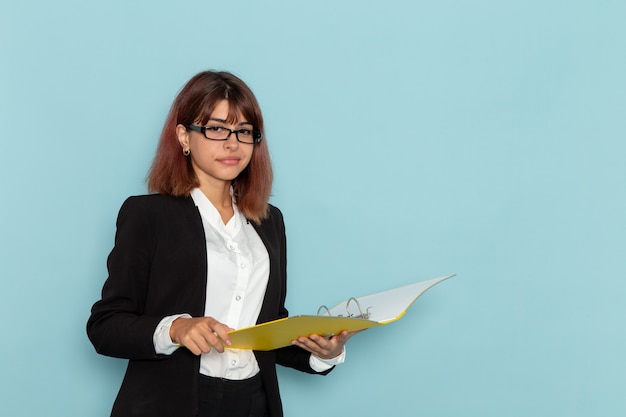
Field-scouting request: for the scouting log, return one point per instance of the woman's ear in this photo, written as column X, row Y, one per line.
column 183, row 136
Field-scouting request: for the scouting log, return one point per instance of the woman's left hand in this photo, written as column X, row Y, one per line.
column 324, row 348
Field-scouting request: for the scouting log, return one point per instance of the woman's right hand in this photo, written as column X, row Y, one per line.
column 200, row 334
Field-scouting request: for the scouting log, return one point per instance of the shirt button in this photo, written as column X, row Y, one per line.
column 233, row 362
column 232, row 246
column 242, row 265
column 238, row 298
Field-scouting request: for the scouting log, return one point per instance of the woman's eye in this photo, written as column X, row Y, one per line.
column 214, row 128
column 245, row 132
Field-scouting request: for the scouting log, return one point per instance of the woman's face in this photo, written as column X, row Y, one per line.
column 217, row 162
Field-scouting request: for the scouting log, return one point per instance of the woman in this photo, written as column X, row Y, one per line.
column 203, row 255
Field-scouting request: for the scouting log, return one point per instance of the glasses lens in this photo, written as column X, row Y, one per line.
column 216, row 132
column 222, row 133
column 245, row 136
column 253, row 137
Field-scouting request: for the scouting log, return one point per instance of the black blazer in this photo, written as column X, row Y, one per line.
column 158, row 267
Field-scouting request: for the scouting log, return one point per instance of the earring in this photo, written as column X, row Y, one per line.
column 186, row 152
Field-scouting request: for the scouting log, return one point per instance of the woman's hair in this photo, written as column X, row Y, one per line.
column 172, row 173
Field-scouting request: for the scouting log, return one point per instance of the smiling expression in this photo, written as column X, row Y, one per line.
column 217, row 162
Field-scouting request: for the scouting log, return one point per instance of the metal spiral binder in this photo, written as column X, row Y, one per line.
column 323, row 310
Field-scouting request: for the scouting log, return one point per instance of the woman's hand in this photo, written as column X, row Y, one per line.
column 324, row 348
column 200, row 334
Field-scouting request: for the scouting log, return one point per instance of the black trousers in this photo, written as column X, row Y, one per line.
column 219, row 397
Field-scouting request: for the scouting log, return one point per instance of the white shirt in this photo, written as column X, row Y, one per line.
column 237, row 276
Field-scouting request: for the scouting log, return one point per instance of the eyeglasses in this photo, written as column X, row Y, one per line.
column 223, row 133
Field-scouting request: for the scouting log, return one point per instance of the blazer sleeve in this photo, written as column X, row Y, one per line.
column 118, row 326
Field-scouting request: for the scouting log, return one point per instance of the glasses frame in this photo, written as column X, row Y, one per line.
column 257, row 136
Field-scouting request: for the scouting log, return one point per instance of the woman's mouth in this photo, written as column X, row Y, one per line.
column 229, row 160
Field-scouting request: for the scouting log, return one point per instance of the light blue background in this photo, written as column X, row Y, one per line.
column 410, row 139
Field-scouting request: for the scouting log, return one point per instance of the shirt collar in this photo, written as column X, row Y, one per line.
column 211, row 215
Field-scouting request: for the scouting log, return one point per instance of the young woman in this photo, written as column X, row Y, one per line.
column 202, row 255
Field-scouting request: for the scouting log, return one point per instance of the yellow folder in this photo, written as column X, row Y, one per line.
column 357, row 313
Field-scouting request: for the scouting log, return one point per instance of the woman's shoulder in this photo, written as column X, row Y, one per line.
column 156, row 203
column 274, row 215
column 274, row 211
column 273, row 223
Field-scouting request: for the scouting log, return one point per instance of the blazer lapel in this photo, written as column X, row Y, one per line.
column 270, row 307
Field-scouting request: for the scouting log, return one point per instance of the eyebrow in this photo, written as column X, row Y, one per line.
column 225, row 121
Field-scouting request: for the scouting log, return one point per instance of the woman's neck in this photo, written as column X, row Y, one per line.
column 220, row 197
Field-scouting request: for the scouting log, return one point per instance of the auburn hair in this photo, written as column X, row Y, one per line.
column 172, row 173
